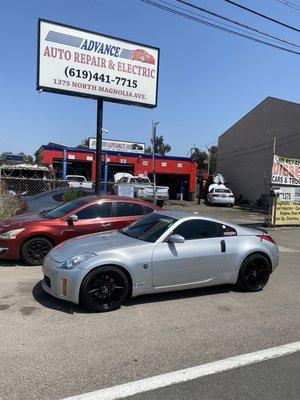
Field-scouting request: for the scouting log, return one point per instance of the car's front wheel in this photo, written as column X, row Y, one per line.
column 34, row 250
column 254, row 273
column 104, row 289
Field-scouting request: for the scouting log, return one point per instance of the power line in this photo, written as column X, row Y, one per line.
column 261, row 36
column 262, row 15
column 195, row 19
column 263, row 144
column 222, row 155
column 235, row 22
column 290, row 4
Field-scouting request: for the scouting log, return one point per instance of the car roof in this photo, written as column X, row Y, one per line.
column 185, row 214
column 119, row 198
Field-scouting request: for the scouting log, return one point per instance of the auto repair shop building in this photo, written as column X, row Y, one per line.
column 179, row 173
column 245, row 151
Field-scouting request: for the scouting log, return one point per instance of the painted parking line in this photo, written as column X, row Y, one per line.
column 171, row 378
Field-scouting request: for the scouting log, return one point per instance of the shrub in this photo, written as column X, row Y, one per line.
column 10, row 205
column 72, row 194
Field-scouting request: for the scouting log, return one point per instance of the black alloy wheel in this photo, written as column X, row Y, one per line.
column 104, row 289
column 34, row 250
column 254, row 273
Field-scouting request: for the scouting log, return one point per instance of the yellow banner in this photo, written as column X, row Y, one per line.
column 286, row 213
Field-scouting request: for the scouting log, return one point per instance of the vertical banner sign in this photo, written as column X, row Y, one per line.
column 286, row 171
column 88, row 64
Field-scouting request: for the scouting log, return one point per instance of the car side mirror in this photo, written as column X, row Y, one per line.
column 176, row 239
column 71, row 219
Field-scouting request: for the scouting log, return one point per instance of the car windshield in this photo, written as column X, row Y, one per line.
column 222, row 191
column 149, row 228
column 60, row 211
column 140, row 181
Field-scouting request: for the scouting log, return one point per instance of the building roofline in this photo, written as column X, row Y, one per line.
column 108, row 152
column 269, row 98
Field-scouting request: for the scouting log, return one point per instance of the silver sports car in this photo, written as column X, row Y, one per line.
column 160, row 252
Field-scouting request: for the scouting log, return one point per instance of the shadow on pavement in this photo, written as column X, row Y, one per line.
column 180, row 294
column 46, row 300
column 50, row 302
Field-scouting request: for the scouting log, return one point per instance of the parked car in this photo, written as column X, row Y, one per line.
column 80, row 181
column 50, row 199
column 142, row 188
column 143, row 56
column 163, row 251
column 31, row 236
column 220, row 194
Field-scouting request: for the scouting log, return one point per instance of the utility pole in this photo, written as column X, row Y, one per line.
column 208, row 167
column 99, row 146
column 154, row 125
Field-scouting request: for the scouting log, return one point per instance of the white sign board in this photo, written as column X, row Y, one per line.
column 125, row 190
column 84, row 63
column 118, row 145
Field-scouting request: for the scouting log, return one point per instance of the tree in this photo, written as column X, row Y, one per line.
column 84, row 143
column 160, row 147
column 213, row 155
column 200, row 157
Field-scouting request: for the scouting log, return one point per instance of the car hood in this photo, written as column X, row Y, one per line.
column 93, row 243
column 20, row 220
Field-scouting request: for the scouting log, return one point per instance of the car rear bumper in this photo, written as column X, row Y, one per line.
column 222, row 200
column 63, row 284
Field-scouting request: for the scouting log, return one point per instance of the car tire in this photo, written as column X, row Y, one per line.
column 34, row 250
column 104, row 289
column 254, row 273
column 160, row 203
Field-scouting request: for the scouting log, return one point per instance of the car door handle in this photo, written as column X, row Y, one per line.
column 223, row 246
column 105, row 225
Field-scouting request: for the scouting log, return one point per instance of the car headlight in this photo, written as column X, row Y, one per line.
column 10, row 234
column 76, row 260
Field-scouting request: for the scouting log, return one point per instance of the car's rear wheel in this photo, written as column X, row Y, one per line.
column 104, row 289
column 254, row 273
column 160, row 203
column 34, row 250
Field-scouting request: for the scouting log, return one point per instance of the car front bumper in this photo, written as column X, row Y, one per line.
column 10, row 249
column 61, row 283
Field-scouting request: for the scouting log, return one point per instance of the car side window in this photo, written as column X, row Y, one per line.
column 148, row 210
column 227, row 230
column 128, row 209
column 95, row 211
column 58, row 196
column 197, row 229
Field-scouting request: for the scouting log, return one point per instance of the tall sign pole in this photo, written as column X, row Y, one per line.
column 99, row 145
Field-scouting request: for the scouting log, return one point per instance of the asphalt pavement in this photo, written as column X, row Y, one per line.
column 51, row 349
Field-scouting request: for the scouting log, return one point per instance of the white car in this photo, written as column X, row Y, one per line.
column 220, row 195
column 78, row 181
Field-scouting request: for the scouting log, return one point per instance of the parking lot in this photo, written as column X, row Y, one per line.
column 51, row 349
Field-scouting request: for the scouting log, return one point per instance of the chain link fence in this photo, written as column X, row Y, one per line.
column 20, row 195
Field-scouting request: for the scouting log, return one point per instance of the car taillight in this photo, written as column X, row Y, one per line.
column 231, row 195
column 266, row 237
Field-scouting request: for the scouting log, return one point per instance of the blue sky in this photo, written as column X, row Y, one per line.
column 208, row 79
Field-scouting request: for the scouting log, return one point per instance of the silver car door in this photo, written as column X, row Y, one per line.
column 198, row 259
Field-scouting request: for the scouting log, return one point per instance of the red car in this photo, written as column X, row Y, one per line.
column 31, row 236
column 142, row 55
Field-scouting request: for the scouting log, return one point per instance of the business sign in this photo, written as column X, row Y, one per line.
column 84, row 63
column 286, row 171
column 118, row 145
column 286, row 207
